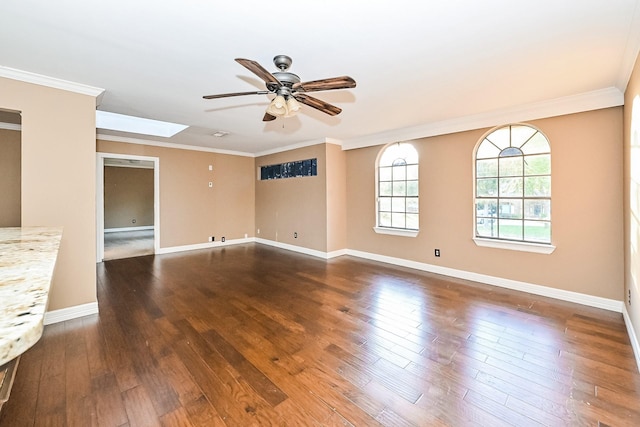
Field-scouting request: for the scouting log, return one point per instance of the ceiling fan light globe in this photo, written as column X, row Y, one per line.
column 279, row 101
column 292, row 105
column 277, row 107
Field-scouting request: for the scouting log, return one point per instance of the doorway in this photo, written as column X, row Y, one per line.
column 128, row 209
column 10, row 168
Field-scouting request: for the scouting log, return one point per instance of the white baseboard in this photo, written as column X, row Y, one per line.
column 633, row 337
column 579, row 298
column 56, row 316
column 207, row 245
column 301, row 249
column 584, row 299
column 337, row 253
column 117, row 230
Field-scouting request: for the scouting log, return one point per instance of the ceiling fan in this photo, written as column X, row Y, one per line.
column 289, row 90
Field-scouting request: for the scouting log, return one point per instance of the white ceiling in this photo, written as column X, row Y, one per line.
column 422, row 67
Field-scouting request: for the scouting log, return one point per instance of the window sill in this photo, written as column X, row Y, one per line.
column 396, row 231
column 515, row 246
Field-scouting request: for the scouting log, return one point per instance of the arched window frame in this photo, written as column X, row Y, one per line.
column 502, row 145
column 397, row 178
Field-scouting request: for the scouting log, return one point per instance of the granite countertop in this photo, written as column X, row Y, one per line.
column 27, row 259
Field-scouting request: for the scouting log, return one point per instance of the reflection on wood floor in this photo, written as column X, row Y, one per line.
column 250, row 335
column 127, row 244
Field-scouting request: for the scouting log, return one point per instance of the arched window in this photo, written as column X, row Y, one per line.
column 397, row 189
column 513, row 185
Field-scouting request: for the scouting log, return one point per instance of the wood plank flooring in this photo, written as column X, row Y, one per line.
column 128, row 244
column 251, row 335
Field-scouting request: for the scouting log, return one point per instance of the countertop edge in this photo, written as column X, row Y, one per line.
column 27, row 262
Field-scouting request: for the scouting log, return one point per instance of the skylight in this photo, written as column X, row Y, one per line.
column 124, row 123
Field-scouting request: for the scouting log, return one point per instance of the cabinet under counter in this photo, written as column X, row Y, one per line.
column 7, row 375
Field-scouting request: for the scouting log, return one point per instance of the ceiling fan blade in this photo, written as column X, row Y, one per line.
column 318, row 104
column 226, row 95
column 344, row 82
column 258, row 70
column 268, row 117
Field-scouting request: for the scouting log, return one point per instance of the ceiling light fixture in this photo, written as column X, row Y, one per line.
column 284, row 104
column 292, row 107
column 278, row 106
column 289, row 89
column 220, row 134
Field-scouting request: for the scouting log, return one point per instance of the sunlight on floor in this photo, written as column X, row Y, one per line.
column 127, row 244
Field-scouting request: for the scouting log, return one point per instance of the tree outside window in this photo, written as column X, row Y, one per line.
column 513, row 185
column 397, row 202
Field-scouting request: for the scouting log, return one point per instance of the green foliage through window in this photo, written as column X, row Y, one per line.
column 398, row 187
column 513, row 185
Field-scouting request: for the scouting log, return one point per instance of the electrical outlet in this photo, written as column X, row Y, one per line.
column 629, row 296
column 437, row 252
column 223, row 238
column 210, row 184
column 295, row 234
column 211, row 238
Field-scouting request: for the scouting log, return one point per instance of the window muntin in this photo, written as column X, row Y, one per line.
column 513, row 185
column 397, row 201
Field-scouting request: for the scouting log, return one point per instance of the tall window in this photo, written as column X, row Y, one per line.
column 398, row 187
column 513, row 185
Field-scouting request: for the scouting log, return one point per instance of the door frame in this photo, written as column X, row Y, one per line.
column 100, row 156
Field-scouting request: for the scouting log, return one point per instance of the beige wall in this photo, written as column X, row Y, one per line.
column 10, row 178
column 59, row 180
column 336, row 176
column 128, row 197
column 632, row 197
column 293, row 205
column 586, row 196
column 190, row 211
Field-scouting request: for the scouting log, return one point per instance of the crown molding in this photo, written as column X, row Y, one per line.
column 595, row 100
column 39, row 79
column 333, row 141
column 170, row 145
column 129, row 140
column 299, row 145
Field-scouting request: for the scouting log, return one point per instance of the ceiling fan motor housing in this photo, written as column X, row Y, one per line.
column 282, row 62
column 287, row 80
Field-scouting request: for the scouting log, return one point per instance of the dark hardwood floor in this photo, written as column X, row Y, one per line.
column 252, row 335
